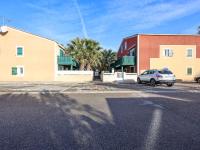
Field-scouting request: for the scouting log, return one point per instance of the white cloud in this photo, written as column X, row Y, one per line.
column 81, row 18
column 150, row 13
column 105, row 20
column 60, row 23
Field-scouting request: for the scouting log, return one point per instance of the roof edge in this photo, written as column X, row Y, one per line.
column 152, row 34
column 14, row 28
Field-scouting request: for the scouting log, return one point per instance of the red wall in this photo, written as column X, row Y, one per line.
column 130, row 42
column 150, row 46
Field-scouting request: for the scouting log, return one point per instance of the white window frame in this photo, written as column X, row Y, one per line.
column 18, row 71
column 131, row 52
column 187, row 52
column 22, row 51
column 125, row 45
column 169, row 50
column 121, row 48
column 187, row 71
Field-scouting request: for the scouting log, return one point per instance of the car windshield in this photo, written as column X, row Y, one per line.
column 165, row 72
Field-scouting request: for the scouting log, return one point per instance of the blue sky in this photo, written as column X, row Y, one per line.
column 107, row 21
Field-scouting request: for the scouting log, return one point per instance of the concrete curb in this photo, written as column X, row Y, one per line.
column 95, row 92
column 69, row 92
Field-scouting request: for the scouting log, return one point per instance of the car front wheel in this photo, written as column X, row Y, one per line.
column 139, row 81
column 153, row 82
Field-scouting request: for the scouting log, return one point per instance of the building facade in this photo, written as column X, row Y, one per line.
column 179, row 53
column 28, row 57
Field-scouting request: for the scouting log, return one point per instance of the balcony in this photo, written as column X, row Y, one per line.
column 125, row 61
column 66, row 60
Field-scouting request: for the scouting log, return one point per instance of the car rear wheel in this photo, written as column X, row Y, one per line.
column 153, row 82
column 170, row 84
column 139, row 81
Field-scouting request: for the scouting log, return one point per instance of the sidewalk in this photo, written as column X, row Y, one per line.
column 62, row 87
column 92, row 87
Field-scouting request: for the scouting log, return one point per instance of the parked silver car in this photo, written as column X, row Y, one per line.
column 154, row 77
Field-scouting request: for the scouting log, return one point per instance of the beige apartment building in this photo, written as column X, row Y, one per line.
column 28, row 57
column 179, row 53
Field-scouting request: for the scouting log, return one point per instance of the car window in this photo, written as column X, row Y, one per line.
column 151, row 71
column 145, row 73
column 165, row 72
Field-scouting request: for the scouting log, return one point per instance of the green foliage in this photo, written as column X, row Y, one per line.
column 87, row 53
column 108, row 58
column 198, row 30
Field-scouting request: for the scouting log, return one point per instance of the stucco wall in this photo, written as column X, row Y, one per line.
column 74, row 76
column 179, row 62
column 38, row 60
column 149, row 46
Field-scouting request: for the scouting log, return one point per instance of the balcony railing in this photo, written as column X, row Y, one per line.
column 125, row 61
column 66, row 60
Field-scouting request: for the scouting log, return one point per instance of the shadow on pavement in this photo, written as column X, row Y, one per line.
column 48, row 121
column 56, row 121
column 156, row 123
column 135, row 86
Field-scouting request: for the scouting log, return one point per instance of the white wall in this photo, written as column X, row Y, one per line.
column 119, row 76
column 74, row 76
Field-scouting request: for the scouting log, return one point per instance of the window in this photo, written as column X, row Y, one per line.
column 14, row 70
column 21, row 70
column 61, row 53
column 189, row 71
column 168, row 53
column 145, row 73
column 151, row 71
column 165, row 72
column 189, row 52
column 132, row 52
column 20, row 51
column 18, row 71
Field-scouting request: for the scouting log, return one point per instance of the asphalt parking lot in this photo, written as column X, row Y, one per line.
column 141, row 119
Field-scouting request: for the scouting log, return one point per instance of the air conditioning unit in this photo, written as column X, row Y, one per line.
column 3, row 29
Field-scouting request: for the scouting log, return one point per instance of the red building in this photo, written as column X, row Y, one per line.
column 180, row 53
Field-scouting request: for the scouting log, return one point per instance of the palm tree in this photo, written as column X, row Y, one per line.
column 86, row 51
column 93, row 54
column 108, row 58
column 198, row 30
column 76, row 48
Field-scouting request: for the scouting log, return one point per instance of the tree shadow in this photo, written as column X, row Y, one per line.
column 156, row 123
column 48, row 121
column 133, row 86
column 57, row 121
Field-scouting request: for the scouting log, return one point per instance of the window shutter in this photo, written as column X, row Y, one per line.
column 14, row 70
column 189, row 71
column 19, row 51
column 164, row 52
column 170, row 52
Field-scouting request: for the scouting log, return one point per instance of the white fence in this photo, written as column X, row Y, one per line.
column 119, row 76
column 74, row 76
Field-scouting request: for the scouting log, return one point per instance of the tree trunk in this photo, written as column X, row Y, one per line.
column 82, row 66
column 88, row 67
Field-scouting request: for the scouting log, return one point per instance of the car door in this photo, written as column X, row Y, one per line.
column 150, row 75
column 143, row 76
